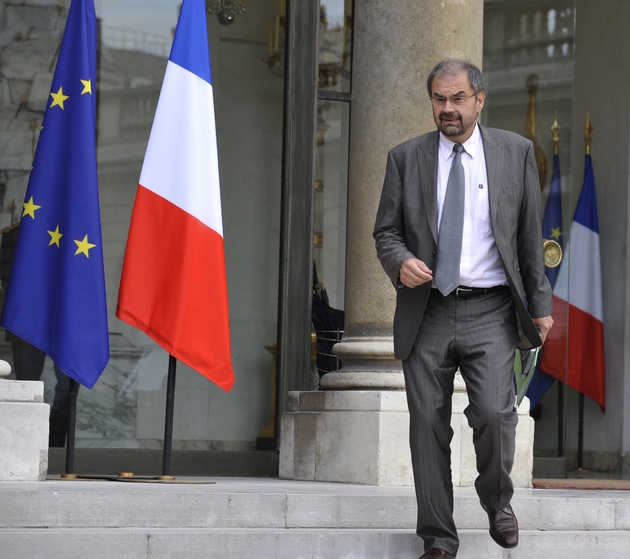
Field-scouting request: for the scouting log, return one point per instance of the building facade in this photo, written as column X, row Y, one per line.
column 309, row 97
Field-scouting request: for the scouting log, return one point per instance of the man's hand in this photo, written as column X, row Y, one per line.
column 414, row 272
column 543, row 324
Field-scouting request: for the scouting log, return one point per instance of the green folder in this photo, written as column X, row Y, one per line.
column 524, row 367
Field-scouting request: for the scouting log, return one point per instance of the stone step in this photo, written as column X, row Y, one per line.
column 271, row 518
column 256, row 543
column 273, row 503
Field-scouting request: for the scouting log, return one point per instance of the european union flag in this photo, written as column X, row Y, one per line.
column 56, row 293
column 551, row 229
column 552, row 220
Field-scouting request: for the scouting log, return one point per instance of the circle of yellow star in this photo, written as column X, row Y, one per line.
column 58, row 98
column 555, row 232
column 55, row 236
column 84, row 246
column 87, row 86
column 29, row 208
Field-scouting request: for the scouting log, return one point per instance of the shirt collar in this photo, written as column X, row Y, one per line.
column 471, row 145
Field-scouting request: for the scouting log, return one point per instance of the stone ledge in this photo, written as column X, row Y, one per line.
column 347, row 400
column 21, row 391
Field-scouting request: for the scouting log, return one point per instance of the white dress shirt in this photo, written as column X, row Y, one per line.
column 480, row 265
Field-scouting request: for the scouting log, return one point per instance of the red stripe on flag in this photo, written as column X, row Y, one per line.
column 581, row 365
column 586, row 355
column 174, row 287
column 553, row 360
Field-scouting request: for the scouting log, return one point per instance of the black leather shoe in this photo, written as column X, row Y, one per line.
column 503, row 526
column 435, row 553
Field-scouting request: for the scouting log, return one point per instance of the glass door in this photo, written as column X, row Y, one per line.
column 529, row 65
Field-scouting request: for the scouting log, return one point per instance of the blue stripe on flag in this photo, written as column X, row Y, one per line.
column 586, row 211
column 190, row 45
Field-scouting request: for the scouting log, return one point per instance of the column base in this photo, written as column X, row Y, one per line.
column 368, row 364
column 363, row 437
column 346, row 436
column 365, row 380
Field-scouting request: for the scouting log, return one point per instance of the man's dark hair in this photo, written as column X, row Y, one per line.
column 452, row 66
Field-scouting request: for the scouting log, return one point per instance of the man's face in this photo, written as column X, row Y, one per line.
column 455, row 107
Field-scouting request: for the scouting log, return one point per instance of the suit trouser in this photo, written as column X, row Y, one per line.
column 477, row 335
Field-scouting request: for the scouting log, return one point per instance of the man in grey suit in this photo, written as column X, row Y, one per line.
column 499, row 299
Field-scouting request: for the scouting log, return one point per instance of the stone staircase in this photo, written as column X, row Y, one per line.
column 267, row 518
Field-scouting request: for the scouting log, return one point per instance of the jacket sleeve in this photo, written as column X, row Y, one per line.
column 389, row 228
column 529, row 242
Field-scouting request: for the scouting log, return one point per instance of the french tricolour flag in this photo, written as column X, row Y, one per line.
column 173, row 284
column 574, row 349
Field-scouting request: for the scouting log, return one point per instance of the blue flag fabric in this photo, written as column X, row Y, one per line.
column 56, row 292
column 551, row 229
column 552, row 220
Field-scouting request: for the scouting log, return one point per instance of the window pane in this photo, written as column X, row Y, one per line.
column 126, row 407
column 528, row 64
column 335, row 44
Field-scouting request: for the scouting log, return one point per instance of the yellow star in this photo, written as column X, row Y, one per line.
column 55, row 236
column 87, row 86
column 555, row 232
column 84, row 247
column 58, row 98
column 29, row 208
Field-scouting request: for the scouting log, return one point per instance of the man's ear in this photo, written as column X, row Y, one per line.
column 481, row 99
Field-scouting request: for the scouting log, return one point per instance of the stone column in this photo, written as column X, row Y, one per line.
column 357, row 429
column 395, row 46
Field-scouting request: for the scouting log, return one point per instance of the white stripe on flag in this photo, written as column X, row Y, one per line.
column 579, row 280
column 181, row 163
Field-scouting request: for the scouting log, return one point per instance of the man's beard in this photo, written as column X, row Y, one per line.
column 452, row 128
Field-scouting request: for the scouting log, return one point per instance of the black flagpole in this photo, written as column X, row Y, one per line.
column 73, row 390
column 560, row 419
column 168, row 423
column 580, row 450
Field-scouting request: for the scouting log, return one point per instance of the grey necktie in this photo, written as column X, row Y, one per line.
column 451, row 228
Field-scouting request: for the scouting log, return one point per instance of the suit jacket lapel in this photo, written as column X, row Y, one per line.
column 493, row 150
column 427, row 173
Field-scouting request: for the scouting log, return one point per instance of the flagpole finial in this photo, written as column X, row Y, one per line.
column 530, row 129
column 555, row 130
column 530, row 123
column 588, row 128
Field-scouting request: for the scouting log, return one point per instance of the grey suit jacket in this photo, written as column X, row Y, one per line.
column 406, row 226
